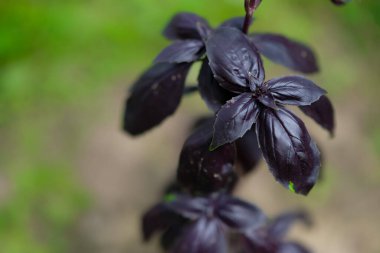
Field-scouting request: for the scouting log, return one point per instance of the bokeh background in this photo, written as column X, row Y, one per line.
column 71, row 181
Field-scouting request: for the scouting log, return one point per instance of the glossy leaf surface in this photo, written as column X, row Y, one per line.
column 234, row 60
column 205, row 171
column 294, row 90
column 184, row 26
column 154, row 97
column 248, row 150
column 212, row 93
column 286, row 52
column 322, row 112
column 291, row 154
column 181, row 51
column 204, row 236
column 234, row 119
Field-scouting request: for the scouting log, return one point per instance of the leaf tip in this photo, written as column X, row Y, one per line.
column 291, row 187
column 212, row 147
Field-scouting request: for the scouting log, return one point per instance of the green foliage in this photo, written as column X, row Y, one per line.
column 43, row 204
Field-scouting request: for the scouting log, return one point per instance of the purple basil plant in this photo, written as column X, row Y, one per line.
column 249, row 120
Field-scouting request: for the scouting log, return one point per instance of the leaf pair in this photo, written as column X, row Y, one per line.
column 209, row 220
column 157, row 93
column 291, row 154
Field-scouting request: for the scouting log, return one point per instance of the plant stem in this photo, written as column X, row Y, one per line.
column 249, row 6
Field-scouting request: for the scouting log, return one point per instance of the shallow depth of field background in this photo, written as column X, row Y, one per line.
column 71, row 181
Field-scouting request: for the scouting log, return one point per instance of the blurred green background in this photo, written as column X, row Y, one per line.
column 71, row 181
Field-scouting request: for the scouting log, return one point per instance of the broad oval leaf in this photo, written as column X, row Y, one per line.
column 234, row 60
column 155, row 96
column 234, row 119
column 181, row 51
column 322, row 111
column 286, row 52
column 211, row 92
column 291, row 154
column 294, row 90
column 184, row 26
column 203, row 171
column 206, row 235
column 248, row 151
column 237, row 214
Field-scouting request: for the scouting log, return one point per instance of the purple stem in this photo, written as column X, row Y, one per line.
column 249, row 6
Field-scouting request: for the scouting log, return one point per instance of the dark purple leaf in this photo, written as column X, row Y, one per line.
column 181, row 51
column 292, row 247
column 204, row 31
column 171, row 234
column 280, row 226
column 201, row 170
column 294, row 90
column 284, row 51
column 154, row 97
column 248, row 151
column 322, row 112
column 234, row 119
column 258, row 241
column 188, row 207
column 291, row 154
column 158, row 218
column 268, row 100
column 236, row 22
column 184, row 26
column 212, row 93
column 234, row 60
column 340, row 2
column 204, row 236
column 237, row 214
